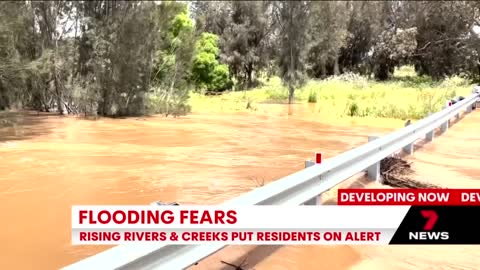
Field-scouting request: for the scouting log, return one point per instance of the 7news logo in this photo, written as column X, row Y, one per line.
column 428, row 233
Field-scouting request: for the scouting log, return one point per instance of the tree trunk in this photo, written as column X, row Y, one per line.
column 478, row 75
column 291, row 71
column 170, row 90
column 60, row 105
column 381, row 72
column 4, row 100
column 250, row 75
column 382, row 68
column 104, row 102
column 336, row 69
column 291, row 91
column 323, row 70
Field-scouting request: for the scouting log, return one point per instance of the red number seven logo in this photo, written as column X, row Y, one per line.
column 431, row 217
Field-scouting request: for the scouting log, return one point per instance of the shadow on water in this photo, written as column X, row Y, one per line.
column 15, row 126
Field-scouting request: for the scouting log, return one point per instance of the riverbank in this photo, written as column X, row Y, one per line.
column 346, row 99
column 406, row 96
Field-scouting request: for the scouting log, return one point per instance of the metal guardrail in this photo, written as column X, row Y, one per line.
column 296, row 189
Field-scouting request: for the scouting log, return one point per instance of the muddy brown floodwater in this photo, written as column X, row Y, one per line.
column 49, row 163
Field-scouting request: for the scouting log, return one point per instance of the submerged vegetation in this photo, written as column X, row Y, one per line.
column 406, row 96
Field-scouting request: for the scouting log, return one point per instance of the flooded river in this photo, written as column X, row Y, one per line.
column 49, row 163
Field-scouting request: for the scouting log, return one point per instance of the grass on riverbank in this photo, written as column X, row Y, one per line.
column 406, row 96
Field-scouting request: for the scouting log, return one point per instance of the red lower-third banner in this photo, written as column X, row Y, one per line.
column 440, row 197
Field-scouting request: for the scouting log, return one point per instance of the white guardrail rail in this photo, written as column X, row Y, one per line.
column 303, row 187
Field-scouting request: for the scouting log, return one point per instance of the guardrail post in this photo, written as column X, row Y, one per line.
column 469, row 109
column 318, row 160
column 373, row 172
column 457, row 115
column 444, row 126
column 430, row 135
column 476, row 90
column 317, row 200
column 409, row 147
column 309, row 163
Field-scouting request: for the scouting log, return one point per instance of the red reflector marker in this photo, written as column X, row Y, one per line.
column 318, row 158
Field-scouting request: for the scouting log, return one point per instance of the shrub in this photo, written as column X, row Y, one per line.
column 207, row 72
column 312, row 97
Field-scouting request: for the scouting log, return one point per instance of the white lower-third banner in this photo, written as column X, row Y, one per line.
column 250, row 225
column 234, row 237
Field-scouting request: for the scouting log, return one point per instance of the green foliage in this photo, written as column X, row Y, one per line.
column 208, row 44
column 172, row 64
column 245, row 41
column 208, row 73
column 15, row 30
column 220, row 80
column 203, row 67
column 181, row 24
column 328, row 29
column 447, row 44
column 293, row 44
